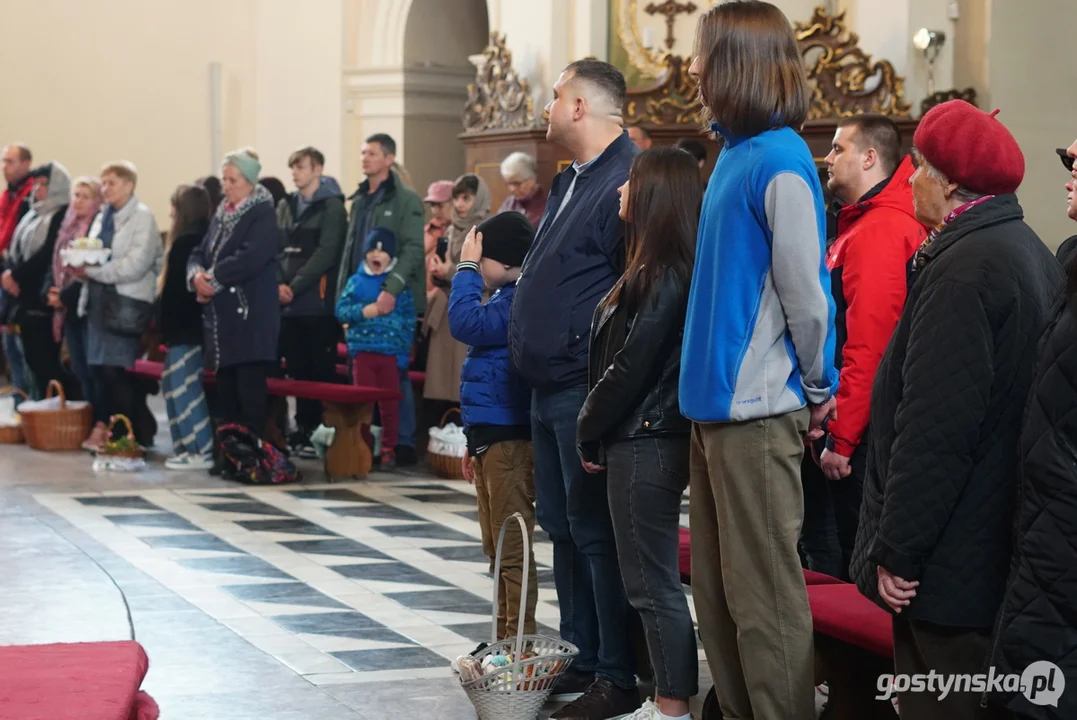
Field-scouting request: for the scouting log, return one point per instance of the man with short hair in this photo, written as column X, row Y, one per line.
column 313, row 222
column 641, row 136
column 525, row 194
column 577, row 255
column 877, row 235
column 15, row 201
column 934, row 546
column 383, row 200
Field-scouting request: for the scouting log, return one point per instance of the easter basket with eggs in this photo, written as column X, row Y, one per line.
column 512, row 678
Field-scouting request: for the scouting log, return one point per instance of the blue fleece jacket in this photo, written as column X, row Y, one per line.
column 390, row 334
column 491, row 391
column 759, row 336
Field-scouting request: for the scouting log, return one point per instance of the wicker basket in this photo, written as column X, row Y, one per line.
column 520, row 689
column 62, row 429
column 12, row 434
column 110, row 449
column 446, row 466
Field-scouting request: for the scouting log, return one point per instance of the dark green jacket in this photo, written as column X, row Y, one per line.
column 310, row 249
column 401, row 211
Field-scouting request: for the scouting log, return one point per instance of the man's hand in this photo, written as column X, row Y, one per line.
column 896, row 592
column 827, row 411
column 592, row 467
column 386, row 303
column 835, row 466
column 202, row 286
column 468, row 466
column 371, row 311
column 53, row 298
column 472, row 250
column 284, row 293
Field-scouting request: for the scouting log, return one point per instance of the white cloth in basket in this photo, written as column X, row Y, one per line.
column 8, row 416
column 449, row 441
column 52, row 403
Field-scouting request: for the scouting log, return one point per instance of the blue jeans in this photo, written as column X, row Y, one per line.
column 75, row 337
column 408, row 421
column 16, row 362
column 572, row 506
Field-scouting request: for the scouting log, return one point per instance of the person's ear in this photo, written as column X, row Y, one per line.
column 870, row 158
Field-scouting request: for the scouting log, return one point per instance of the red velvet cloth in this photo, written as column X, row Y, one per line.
column 817, row 578
column 840, row 611
column 88, row 681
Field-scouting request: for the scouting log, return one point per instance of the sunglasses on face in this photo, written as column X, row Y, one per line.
column 1067, row 161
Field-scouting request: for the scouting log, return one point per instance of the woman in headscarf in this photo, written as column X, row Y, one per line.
column 28, row 260
column 471, row 203
column 234, row 273
column 118, row 301
column 63, row 290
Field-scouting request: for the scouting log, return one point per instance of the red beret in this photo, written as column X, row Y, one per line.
column 971, row 148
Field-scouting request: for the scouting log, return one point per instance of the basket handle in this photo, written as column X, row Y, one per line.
column 116, row 419
column 445, row 417
column 12, row 389
column 523, row 586
column 55, row 388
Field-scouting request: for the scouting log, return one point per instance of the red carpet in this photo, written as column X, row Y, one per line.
column 88, row 681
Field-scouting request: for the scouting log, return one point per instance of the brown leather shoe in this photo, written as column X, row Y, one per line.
column 602, row 700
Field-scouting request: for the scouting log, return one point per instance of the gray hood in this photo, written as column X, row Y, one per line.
column 329, row 188
column 33, row 229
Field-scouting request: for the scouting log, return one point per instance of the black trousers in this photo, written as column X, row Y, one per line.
column 831, row 513
column 43, row 356
column 121, row 394
column 309, row 348
column 242, row 397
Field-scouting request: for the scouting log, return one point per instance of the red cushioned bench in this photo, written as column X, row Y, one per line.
column 854, row 644
column 347, row 408
column 88, row 681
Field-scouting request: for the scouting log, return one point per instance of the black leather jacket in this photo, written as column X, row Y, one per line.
column 634, row 368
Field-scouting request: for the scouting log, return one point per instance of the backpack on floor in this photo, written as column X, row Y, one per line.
column 248, row 459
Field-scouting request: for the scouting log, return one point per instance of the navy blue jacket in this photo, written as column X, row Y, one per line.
column 242, row 322
column 572, row 264
column 491, row 392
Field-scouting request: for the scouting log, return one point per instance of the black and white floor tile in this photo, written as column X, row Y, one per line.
column 343, row 583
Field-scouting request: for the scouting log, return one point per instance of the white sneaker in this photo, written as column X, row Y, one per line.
column 648, row 711
column 185, row 461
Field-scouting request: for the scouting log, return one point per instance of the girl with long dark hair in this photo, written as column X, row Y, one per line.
column 181, row 328
column 631, row 422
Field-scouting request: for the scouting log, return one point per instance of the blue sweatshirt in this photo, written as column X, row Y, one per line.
column 390, row 334
column 759, row 336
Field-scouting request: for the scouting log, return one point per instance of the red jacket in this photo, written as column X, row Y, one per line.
column 876, row 239
column 13, row 205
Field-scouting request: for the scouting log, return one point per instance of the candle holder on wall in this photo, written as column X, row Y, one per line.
column 930, row 43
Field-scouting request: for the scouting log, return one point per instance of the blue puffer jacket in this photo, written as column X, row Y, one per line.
column 491, row 391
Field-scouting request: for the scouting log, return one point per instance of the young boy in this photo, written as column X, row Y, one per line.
column 376, row 340
column 496, row 404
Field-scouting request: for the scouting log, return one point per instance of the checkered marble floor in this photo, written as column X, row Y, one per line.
column 343, row 582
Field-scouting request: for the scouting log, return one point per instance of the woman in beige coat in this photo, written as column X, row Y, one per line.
column 471, row 203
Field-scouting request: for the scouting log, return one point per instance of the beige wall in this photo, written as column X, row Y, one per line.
column 1032, row 74
column 144, row 94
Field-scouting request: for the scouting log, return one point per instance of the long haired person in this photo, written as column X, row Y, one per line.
column 631, row 421
column 757, row 374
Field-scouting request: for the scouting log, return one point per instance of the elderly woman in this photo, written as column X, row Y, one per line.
column 525, row 194
column 118, row 300
column 234, row 274
column 63, row 289
column 936, row 523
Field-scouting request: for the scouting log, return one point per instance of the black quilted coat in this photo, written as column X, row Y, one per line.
column 946, row 410
column 1039, row 613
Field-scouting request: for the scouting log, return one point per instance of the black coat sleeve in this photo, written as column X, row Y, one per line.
column 947, row 380
column 32, row 272
column 175, row 290
column 625, row 383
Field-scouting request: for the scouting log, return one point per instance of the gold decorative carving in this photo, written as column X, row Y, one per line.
column 672, row 100
column 845, row 80
column 938, row 98
column 498, row 99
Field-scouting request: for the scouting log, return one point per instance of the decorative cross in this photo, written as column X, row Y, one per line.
column 671, row 10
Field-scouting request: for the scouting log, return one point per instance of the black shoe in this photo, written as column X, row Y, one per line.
column 571, row 685
column 601, row 701
column 406, row 456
